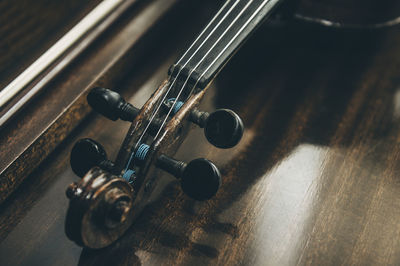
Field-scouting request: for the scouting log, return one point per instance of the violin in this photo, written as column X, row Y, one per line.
column 112, row 193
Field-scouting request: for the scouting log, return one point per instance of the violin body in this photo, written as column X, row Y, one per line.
column 313, row 179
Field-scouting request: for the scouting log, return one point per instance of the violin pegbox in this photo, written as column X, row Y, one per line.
column 112, row 193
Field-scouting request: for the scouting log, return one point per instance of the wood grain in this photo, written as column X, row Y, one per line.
column 33, row 134
column 25, row 35
column 315, row 180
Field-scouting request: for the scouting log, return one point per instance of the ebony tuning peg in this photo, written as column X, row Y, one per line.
column 111, row 104
column 222, row 128
column 200, row 178
column 87, row 154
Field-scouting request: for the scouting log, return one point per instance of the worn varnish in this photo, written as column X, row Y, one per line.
column 315, row 179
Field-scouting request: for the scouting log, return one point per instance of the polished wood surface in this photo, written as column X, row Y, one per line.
column 315, row 180
column 32, row 134
column 356, row 12
column 28, row 29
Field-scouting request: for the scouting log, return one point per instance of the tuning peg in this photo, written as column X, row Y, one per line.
column 200, row 178
column 222, row 128
column 111, row 104
column 87, row 154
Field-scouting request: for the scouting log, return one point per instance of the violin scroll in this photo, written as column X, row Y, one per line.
column 101, row 209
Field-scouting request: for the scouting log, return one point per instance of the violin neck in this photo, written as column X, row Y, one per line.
column 219, row 40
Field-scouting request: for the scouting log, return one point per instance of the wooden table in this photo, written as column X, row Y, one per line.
column 314, row 181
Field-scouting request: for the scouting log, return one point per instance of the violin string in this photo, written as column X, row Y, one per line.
column 232, row 40
column 209, row 24
column 180, row 59
column 320, row 21
column 195, row 52
column 176, row 77
column 206, row 54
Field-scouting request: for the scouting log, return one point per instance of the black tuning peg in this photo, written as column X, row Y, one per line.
column 222, row 128
column 200, row 178
column 87, row 154
column 111, row 104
